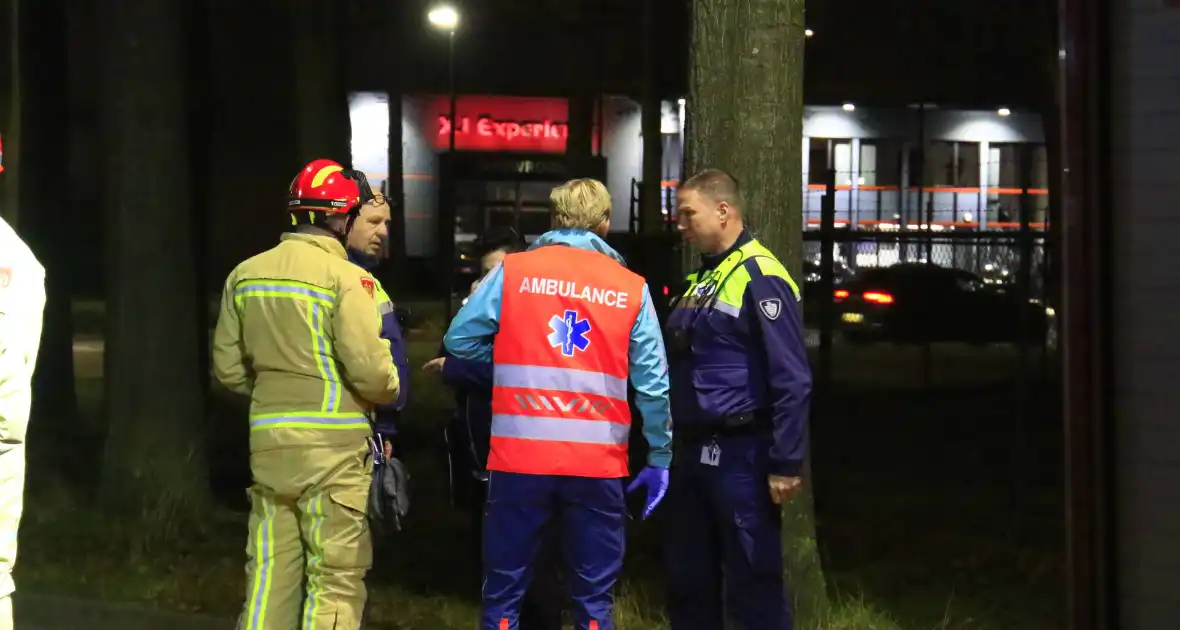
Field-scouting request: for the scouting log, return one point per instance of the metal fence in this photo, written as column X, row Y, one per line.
column 997, row 258
column 1006, row 295
column 1006, row 261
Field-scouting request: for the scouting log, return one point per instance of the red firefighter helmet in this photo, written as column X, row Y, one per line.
column 326, row 186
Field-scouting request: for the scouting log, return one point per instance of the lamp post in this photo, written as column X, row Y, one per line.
column 446, row 18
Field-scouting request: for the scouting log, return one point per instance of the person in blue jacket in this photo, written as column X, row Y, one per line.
column 366, row 240
column 468, row 439
column 740, row 388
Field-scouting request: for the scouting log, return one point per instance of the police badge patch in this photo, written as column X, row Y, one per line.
column 771, row 308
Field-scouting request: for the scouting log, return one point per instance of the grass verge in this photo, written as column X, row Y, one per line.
column 922, row 555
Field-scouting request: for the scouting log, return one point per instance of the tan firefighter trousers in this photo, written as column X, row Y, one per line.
column 309, row 546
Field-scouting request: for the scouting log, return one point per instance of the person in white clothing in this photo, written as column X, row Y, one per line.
column 22, row 305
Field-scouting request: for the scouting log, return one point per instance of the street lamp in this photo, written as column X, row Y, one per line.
column 446, row 18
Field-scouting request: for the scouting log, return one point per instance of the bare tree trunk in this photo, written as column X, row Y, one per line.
column 395, row 190
column 48, row 221
column 651, row 220
column 582, row 88
column 321, row 101
column 746, row 100
column 155, row 394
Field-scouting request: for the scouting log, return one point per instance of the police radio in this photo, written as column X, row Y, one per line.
column 678, row 339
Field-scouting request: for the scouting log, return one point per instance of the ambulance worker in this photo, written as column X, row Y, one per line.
column 565, row 325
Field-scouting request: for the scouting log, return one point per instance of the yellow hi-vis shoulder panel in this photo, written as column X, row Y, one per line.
column 723, row 288
column 318, row 304
column 769, row 265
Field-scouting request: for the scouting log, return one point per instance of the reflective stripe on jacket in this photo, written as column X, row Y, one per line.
column 559, row 397
column 298, row 331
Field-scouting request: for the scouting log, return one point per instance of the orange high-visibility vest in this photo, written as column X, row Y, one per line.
column 559, row 399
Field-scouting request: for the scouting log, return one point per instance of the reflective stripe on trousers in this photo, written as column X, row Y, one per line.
column 308, row 548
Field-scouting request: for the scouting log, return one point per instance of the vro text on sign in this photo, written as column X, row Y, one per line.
column 488, row 127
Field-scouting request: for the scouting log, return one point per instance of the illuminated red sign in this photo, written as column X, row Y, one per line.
column 500, row 123
column 503, row 130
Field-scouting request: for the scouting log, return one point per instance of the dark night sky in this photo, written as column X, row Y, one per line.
column 888, row 52
column 967, row 52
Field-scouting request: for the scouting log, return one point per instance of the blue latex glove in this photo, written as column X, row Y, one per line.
column 655, row 481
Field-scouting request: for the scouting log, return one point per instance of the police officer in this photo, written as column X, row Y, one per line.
column 565, row 325
column 298, row 332
column 22, row 305
column 740, row 390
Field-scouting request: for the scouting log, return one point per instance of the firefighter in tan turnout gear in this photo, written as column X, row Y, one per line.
column 299, row 333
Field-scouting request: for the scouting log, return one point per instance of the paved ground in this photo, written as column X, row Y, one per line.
column 52, row 613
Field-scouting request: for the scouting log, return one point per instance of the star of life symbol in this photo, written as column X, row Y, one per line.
column 569, row 333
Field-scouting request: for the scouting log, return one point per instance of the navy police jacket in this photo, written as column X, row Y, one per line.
column 736, row 346
column 385, row 421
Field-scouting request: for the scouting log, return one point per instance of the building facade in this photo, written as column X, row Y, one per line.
column 915, row 168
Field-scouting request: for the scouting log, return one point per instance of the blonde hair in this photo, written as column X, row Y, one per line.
column 580, row 203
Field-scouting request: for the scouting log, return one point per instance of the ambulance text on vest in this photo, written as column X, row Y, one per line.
column 549, row 286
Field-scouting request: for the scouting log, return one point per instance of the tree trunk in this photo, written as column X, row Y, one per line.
column 651, row 219
column 48, row 223
column 746, row 102
column 10, row 108
column 1052, row 262
column 206, row 286
column 321, row 99
column 582, row 88
column 395, row 184
column 155, row 398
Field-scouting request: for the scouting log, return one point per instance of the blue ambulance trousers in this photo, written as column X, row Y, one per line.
column 592, row 516
column 722, row 522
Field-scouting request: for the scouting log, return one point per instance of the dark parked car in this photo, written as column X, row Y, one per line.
column 922, row 302
column 813, row 275
column 813, row 286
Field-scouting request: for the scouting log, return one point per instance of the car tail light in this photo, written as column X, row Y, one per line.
column 840, row 294
column 877, row 297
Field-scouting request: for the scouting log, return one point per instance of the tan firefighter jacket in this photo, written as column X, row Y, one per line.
column 299, row 333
